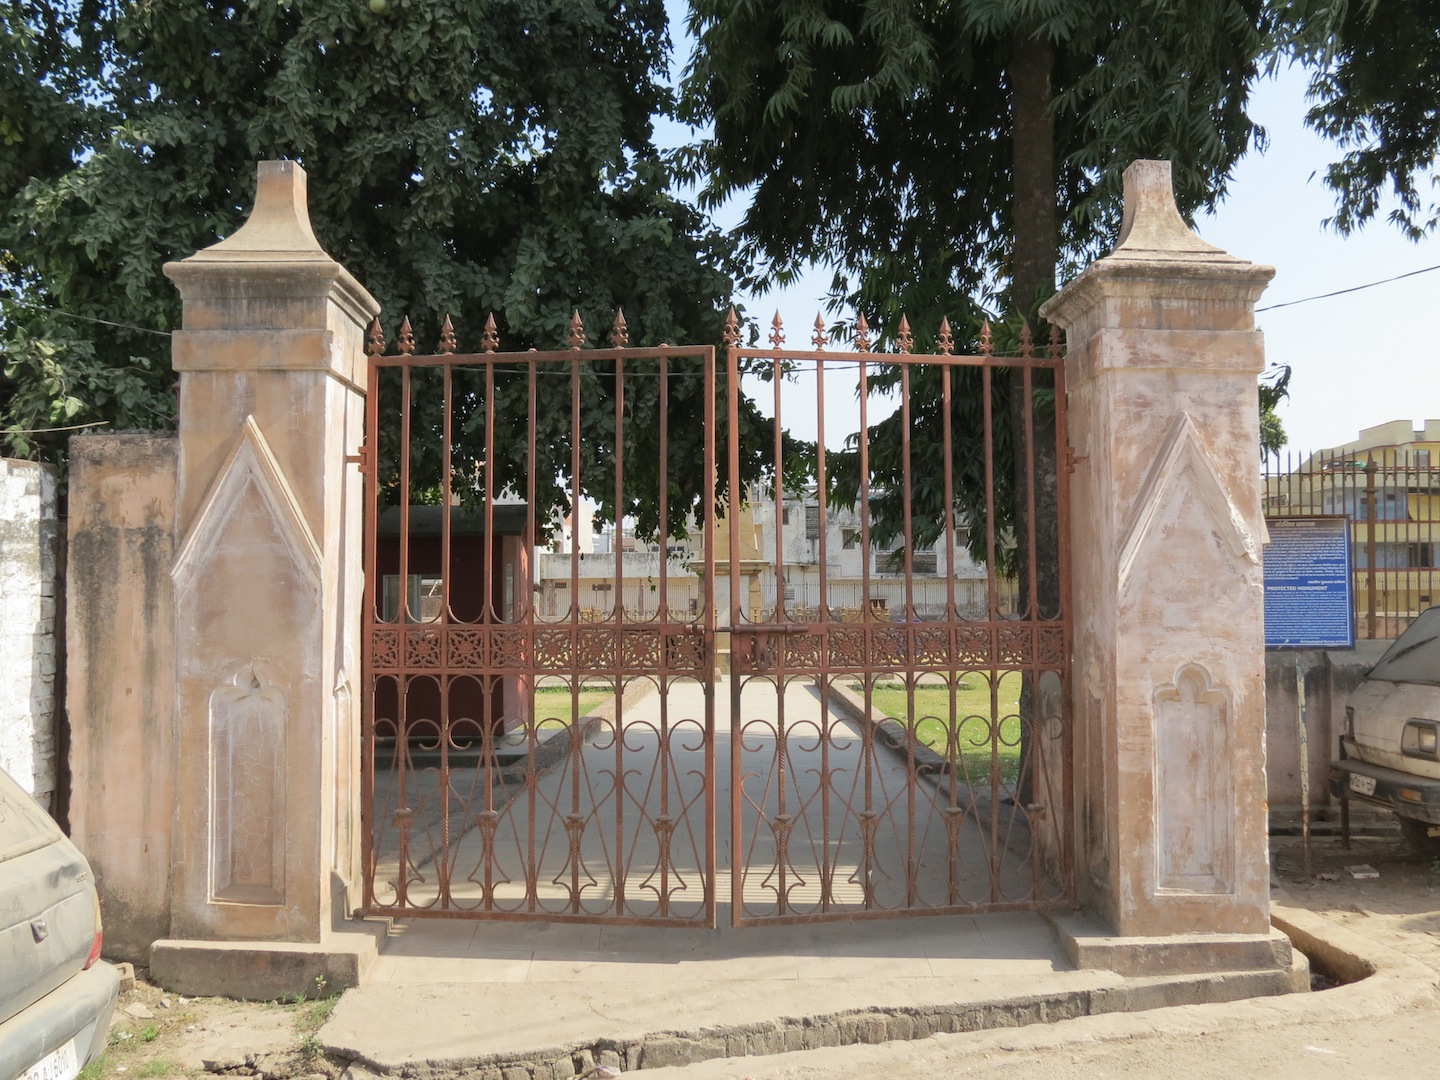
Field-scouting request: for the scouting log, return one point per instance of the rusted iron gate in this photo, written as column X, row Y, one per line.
column 482, row 800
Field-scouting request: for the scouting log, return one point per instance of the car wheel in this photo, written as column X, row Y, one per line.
column 1417, row 835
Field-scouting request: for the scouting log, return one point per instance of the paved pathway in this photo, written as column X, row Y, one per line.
column 474, row 992
column 859, row 839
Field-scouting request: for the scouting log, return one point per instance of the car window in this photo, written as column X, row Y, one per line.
column 23, row 825
column 1415, row 656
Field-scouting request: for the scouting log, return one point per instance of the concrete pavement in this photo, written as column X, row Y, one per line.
column 1330, row 1033
column 943, row 839
column 545, row 1001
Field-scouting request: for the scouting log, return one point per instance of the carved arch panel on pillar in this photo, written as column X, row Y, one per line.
column 1194, row 800
column 247, row 789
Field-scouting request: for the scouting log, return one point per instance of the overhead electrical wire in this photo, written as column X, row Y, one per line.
column 1353, row 288
column 1258, row 310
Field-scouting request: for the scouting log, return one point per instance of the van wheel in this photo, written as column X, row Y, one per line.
column 1417, row 835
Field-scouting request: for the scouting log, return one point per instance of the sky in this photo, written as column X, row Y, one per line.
column 1359, row 360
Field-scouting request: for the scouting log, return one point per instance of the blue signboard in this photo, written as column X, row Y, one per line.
column 1308, row 601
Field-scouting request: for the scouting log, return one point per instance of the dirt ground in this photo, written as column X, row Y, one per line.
column 157, row 1035
column 1400, row 907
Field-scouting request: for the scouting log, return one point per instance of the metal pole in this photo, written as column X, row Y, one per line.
column 1304, row 753
column 1370, row 547
column 1344, row 807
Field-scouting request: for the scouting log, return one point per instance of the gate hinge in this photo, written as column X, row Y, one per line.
column 361, row 457
column 1072, row 459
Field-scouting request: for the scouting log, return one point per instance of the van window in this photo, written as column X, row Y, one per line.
column 23, row 825
column 1415, row 656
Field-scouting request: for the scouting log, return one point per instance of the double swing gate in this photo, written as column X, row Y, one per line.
column 648, row 635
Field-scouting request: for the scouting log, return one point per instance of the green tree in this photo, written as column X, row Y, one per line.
column 937, row 152
column 1274, row 388
column 463, row 157
column 1374, row 83
column 944, row 155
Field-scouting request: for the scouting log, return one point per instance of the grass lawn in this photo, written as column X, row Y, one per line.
column 972, row 731
column 552, row 703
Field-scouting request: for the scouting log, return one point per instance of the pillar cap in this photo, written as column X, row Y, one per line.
column 274, row 253
column 1152, row 226
column 1159, row 258
column 280, row 219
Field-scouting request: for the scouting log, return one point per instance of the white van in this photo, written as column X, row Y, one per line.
column 56, row 994
column 1390, row 749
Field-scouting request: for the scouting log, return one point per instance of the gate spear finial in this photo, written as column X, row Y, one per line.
column 577, row 331
column 862, row 334
column 731, row 336
column 375, row 340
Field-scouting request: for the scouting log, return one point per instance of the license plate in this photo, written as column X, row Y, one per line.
column 1365, row 785
column 63, row 1064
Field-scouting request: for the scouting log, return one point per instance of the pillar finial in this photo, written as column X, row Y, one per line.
column 1152, row 222
column 280, row 218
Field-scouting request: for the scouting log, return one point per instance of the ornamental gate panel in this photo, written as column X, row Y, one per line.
column 574, row 557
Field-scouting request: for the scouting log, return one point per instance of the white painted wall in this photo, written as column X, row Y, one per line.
column 28, row 539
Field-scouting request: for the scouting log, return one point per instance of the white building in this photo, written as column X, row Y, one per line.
column 772, row 557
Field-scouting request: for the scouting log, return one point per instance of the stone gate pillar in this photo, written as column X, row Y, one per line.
column 1166, row 539
column 268, row 582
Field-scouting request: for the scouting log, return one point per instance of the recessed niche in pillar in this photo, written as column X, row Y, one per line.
column 247, row 791
column 1194, row 795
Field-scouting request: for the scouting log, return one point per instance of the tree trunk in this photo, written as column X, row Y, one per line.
column 1033, row 266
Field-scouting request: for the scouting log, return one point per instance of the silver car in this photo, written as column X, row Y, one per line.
column 56, row 994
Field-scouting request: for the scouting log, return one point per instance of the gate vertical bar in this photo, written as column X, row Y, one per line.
column 782, row 747
column 663, row 495
column 993, row 601
column 827, row 863
column 574, row 733
column 403, row 616
column 954, row 815
column 732, row 524
column 867, row 815
column 912, row 868
column 1067, row 635
column 732, row 520
column 709, row 650
column 445, row 679
column 619, row 869
column 1370, row 577
column 370, row 462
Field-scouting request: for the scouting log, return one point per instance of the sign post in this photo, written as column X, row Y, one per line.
column 1308, row 605
column 1308, row 591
